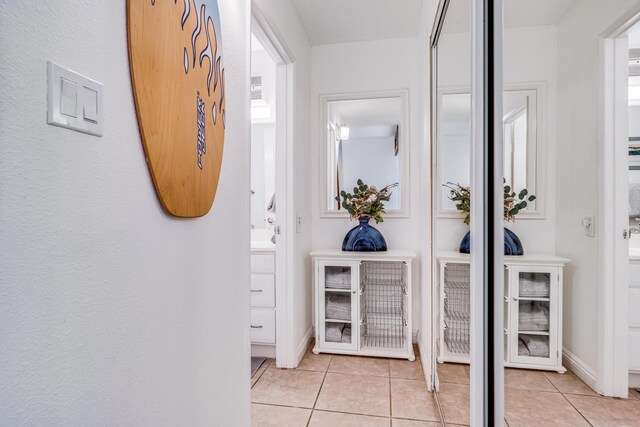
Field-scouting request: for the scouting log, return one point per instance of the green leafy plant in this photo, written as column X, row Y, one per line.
column 513, row 202
column 365, row 202
column 462, row 197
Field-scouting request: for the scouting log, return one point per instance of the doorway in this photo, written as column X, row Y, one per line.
column 272, row 325
column 619, row 342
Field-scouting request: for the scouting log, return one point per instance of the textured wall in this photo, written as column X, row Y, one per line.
column 112, row 312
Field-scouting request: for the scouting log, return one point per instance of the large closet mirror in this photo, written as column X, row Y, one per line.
column 365, row 136
column 522, row 127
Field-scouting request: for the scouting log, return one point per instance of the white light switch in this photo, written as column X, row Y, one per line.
column 90, row 104
column 588, row 223
column 73, row 101
column 69, row 98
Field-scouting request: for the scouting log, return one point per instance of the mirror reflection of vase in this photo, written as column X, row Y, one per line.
column 512, row 244
column 364, row 238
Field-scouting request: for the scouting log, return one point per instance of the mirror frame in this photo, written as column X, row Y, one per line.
column 405, row 144
column 541, row 142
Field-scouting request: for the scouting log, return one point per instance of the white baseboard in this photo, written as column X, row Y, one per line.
column 414, row 336
column 303, row 345
column 263, row 350
column 578, row 367
column 634, row 380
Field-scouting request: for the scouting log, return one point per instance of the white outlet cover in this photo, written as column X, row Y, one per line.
column 73, row 101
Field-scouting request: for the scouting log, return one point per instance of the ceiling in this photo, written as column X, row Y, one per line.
column 340, row 21
column 517, row 13
column 366, row 112
column 531, row 13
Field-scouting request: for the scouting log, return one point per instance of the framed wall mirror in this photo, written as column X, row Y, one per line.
column 365, row 136
column 522, row 123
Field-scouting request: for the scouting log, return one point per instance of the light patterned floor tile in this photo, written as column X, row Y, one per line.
column 527, row 380
column 525, row 408
column 569, row 383
column 278, row 416
column 607, row 411
column 396, row 422
column 315, row 362
column 411, row 399
column 356, row 365
column 452, row 373
column 357, row 394
column 287, row 387
column 406, row 369
column 454, row 403
column 338, row 419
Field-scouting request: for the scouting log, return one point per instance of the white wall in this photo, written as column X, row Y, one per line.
column 529, row 57
column 284, row 18
column 578, row 166
column 113, row 312
column 365, row 67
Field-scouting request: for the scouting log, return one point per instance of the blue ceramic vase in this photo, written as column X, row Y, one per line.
column 512, row 244
column 364, row 238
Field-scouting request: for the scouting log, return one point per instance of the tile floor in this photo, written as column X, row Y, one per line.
column 337, row 391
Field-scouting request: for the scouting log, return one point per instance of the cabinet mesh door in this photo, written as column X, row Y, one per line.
column 457, row 307
column 383, row 307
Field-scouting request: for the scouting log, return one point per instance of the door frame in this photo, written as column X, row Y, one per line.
column 265, row 31
column 612, row 370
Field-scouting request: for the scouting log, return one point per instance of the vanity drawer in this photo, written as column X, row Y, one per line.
column 263, row 263
column 634, row 274
column 263, row 326
column 263, row 290
column 634, row 306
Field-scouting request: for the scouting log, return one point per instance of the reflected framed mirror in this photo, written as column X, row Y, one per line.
column 523, row 144
column 365, row 136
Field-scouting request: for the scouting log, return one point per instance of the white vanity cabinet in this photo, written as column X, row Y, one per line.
column 362, row 303
column 263, row 297
column 634, row 319
column 532, row 310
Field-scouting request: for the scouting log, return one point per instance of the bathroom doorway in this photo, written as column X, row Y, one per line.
column 619, row 342
column 272, row 224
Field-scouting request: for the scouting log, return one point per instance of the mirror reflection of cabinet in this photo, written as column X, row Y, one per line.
column 365, row 136
column 522, row 126
column 532, row 310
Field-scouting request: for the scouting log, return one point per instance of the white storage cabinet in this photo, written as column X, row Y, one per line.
column 362, row 303
column 532, row 310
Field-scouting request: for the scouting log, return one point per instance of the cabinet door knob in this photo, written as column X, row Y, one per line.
column 515, row 299
column 256, row 291
column 257, row 327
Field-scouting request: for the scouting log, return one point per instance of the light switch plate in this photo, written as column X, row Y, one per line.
column 588, row 223
column 73, row 101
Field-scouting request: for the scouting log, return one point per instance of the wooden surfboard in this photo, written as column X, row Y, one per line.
column 177, row 72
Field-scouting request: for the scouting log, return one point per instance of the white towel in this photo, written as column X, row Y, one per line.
column 533, row 285
column 333, row 332
column 338, row 279
column 538, row 346
column 338, row 307
column 346, row 334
